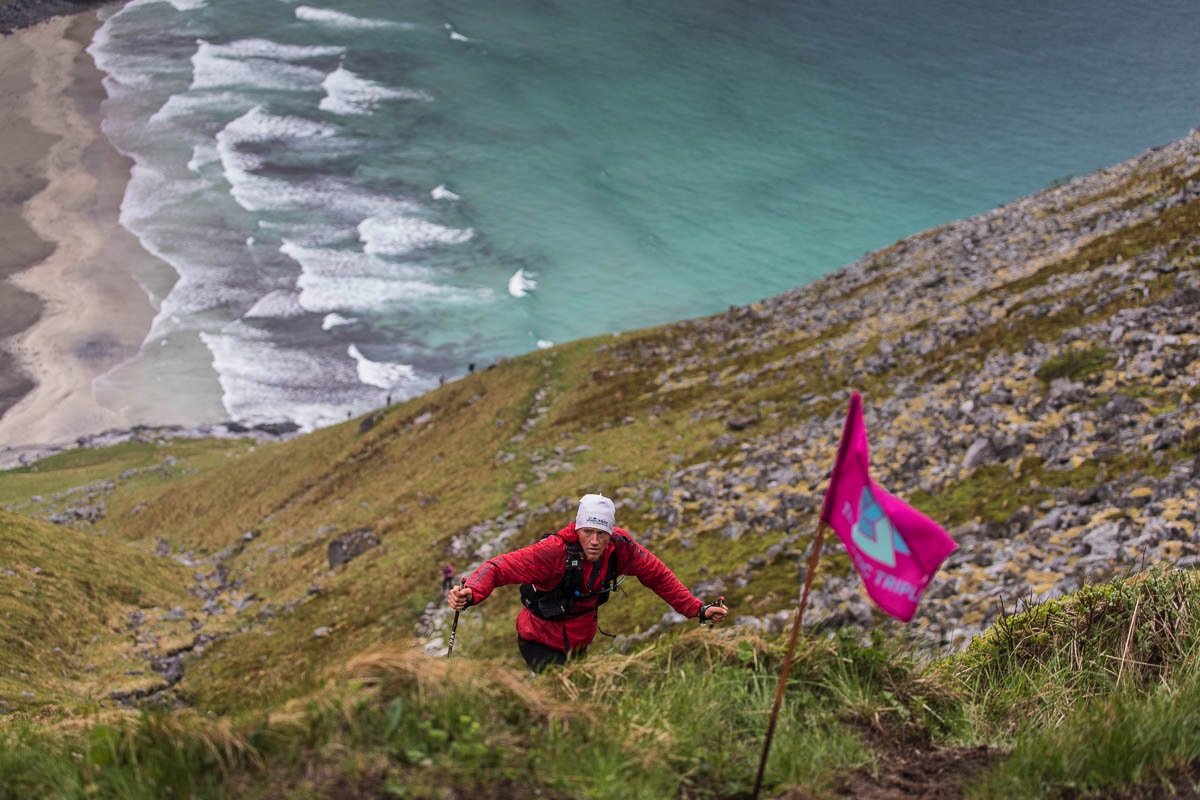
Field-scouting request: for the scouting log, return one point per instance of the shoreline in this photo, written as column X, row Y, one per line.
column 72, row 311
column 25, row 455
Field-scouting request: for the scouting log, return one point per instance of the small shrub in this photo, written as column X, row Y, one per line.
column 1075, row 363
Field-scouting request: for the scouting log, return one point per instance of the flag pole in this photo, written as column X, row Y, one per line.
column 813, row 557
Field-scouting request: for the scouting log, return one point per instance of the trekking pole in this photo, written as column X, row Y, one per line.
column 454, row 627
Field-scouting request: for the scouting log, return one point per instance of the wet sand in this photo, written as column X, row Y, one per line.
column 69, row 309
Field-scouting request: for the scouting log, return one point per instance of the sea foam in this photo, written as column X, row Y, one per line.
column 397, row 235
column 333, row 280
column 321, row 294
column 263, row 382
column 338, row 19
column 256, row 126
column 217, row 66
column 521, row 283
column 348, row 93
column 314, row 387
column 277, row 304
column 335, row 320
column 202, row 105
column 381, row 373
column 339, row 263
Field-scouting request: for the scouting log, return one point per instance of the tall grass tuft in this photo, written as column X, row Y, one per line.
column 1039, row 665
column 177, row 754
column 35, row 764
column 1129, row 738
column 1094, row 691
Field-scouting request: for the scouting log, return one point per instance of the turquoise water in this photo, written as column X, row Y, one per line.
column 349, row 202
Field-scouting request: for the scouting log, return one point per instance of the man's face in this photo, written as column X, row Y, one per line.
column 593, row 542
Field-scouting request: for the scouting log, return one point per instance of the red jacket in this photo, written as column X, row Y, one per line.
column 544, row 563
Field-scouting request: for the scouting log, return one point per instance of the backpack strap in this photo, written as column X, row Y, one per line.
column 608, row 581
column 557, row 603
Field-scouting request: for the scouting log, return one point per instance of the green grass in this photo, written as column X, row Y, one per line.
column 1143, row 632
column 683, row 719
column 65, row 601
column 1149, row 739
column 55, row 481
column 1089, row 693
column 1096, row 691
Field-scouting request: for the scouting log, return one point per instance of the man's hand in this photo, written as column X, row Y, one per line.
column 459, row 597
column 713, row 613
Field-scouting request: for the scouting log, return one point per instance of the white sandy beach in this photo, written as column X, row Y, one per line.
column 94, row 316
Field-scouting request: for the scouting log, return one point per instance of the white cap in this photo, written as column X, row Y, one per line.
column 596, row 511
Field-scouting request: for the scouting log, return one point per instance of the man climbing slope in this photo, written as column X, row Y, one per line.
column 568, row 575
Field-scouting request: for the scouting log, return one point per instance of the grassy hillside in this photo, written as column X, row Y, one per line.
column 73, row 627
column 1029, row 378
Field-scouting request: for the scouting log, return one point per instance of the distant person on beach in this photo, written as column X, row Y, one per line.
column 447, row 577
column 567, row 575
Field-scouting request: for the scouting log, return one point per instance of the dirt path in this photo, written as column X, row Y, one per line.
column 920, row 773
column 911, row 770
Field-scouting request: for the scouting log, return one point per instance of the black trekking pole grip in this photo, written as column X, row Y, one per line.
column 704, row 608
column 454, row 627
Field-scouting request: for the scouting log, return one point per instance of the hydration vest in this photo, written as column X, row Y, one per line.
column 556, row 603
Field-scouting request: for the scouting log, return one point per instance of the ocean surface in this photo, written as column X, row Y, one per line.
column 346, row 203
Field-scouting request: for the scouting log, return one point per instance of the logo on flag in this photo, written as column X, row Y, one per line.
column 895, row 548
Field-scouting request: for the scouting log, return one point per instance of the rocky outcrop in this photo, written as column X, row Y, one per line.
column 351, row 545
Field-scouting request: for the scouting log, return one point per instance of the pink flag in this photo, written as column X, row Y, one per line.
column 896, row 548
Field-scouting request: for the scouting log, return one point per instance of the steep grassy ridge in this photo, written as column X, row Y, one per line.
column 68, row 602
